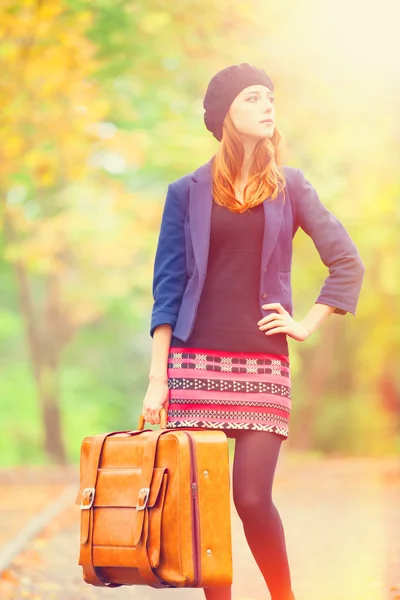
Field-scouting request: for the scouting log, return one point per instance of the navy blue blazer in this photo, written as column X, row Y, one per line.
column 180, row 265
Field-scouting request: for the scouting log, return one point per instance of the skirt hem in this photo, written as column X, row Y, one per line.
column 228, row 427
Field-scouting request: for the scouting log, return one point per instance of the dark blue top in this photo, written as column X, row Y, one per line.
column 228, row 310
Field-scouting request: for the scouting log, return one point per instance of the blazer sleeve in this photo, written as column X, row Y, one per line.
column 338, row 252
column 169, row 274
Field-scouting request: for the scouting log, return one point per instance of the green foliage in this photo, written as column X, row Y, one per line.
column 20, row 439
column 354, row 425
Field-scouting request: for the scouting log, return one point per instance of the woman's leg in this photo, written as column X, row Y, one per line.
column 256, row 456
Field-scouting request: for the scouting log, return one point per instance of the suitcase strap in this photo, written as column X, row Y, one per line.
column 87, row 493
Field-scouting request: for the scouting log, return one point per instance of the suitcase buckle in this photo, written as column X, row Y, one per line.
column 144, row 498
column 87, row 494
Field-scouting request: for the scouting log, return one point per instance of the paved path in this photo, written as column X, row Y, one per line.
column 342, row 527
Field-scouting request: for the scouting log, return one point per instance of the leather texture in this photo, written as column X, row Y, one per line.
column 177, row 535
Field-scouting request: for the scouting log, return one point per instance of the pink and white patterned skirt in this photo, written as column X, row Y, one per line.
column 231, row 391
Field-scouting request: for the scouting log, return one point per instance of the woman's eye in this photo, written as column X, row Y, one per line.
column 256, row 98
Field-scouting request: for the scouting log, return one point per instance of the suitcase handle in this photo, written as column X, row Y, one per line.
column 163, row 420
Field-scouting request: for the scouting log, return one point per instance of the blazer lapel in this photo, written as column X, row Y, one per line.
column 200, row 209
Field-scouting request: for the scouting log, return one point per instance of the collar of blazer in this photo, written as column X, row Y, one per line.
column 200, row 207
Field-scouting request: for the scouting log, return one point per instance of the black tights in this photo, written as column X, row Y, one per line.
column 256, row 456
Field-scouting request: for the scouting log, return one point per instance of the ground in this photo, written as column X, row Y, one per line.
column 341, row 518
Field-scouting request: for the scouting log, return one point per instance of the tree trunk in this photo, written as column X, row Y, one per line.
column 389, row 398
column 47, row 330
column 53, row 442
column 44, row 353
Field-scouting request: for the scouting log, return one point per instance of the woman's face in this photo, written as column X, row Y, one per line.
column 253, row 112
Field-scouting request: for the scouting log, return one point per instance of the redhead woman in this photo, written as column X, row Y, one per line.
column 223, row 300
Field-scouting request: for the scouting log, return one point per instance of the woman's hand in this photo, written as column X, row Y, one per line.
column 282, row 322
column 157, row 396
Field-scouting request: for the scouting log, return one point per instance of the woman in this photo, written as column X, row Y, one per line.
column 223, row 304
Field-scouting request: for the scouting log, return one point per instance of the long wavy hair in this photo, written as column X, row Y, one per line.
column 266, row 177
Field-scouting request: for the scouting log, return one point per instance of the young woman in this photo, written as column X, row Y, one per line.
column 223, row 303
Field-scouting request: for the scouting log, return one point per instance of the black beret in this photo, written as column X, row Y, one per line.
column 223, row 89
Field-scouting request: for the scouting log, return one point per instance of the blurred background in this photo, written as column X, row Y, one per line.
column 101, row 107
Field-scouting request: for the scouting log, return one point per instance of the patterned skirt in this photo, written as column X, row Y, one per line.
column 231, row 391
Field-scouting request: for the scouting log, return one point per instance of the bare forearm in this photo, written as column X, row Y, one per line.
column 159, row 358
column 317, row 315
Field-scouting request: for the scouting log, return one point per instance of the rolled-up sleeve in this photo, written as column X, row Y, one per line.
column 338, row 252
column 169, row 275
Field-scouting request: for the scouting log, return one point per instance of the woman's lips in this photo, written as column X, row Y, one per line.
column 270, row 121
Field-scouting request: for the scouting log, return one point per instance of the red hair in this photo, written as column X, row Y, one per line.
column 266, row 178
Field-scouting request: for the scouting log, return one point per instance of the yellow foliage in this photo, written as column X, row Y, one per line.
column 47, row 83
column 11, row 147
column 152, row 22
column 18, row 219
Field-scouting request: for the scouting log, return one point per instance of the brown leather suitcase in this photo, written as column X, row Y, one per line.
column 155, row 508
